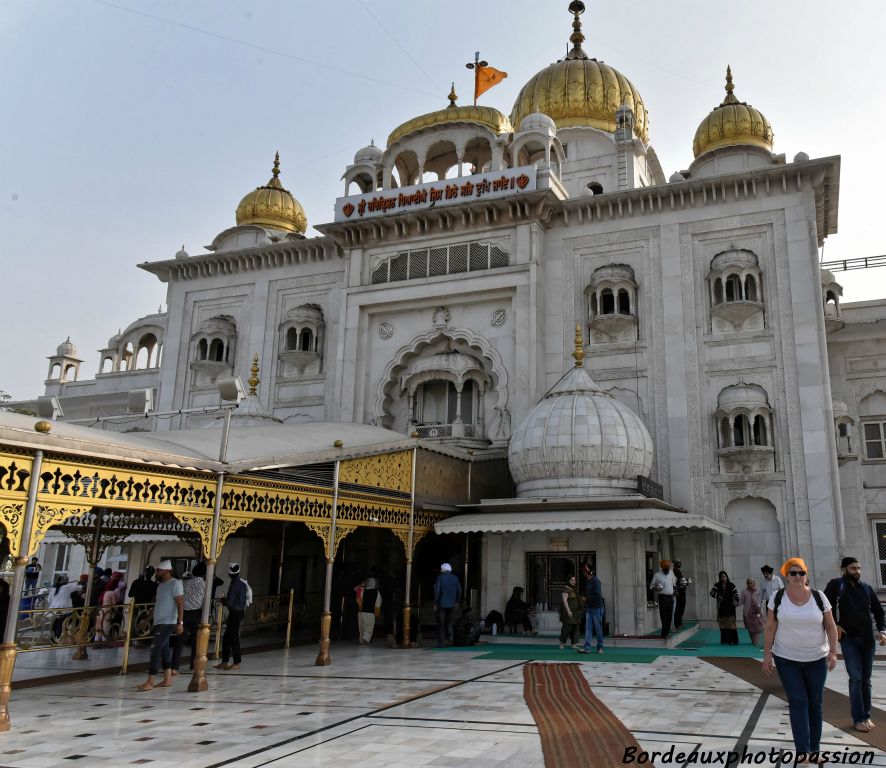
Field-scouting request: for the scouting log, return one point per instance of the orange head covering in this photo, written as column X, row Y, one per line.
column 793, row 561
column 664, row 563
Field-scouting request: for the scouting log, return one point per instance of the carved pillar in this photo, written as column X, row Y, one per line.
column 7, row 649
column 458, row 426
column 410, row 546
column 92, row 559
column 198, row 679
column 323, row 658
column 481, row 413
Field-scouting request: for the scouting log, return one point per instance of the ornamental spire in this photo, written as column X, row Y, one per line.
column 579, row 352
column 452, row 97
column 730, row 97
column 254, row 380
column 576, row 8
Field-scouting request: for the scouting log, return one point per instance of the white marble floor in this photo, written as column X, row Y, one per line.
column 379, row 707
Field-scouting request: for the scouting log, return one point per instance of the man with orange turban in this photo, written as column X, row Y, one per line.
column 663, row 584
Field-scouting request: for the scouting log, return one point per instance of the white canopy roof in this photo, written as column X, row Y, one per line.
column 629, row 518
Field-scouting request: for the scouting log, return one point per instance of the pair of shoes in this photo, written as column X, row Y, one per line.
column 599, row 650
column 234, row 666
column 223, row 665
column 562, row 646
column 870, row 723
column 863, row 727
column 582, row 650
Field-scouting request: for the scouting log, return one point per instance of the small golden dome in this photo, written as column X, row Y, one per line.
column 272, row 206
column 488, row 117
column 580, row 91
column 732, row 123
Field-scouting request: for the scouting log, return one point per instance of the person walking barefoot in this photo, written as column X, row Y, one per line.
column 168, row 620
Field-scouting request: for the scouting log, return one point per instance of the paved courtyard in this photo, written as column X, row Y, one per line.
column 380, row 707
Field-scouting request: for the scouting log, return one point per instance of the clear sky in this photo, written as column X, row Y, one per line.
column 130, row 128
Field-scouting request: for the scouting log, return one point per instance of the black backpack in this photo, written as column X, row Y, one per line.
column 780, row 594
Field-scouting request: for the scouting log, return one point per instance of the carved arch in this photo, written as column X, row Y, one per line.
column 389, row 380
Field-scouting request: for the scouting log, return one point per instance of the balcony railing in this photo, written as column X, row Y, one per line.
column 439, row 431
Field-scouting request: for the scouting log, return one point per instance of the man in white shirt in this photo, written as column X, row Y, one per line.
column 663, row 584
column 769, row 585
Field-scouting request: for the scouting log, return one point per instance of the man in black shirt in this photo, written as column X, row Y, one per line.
column 853, row 603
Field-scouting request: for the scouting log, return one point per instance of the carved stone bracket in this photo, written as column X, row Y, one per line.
column 227, row 526
column 417, row 536
column 202, row 526
column 13, row 518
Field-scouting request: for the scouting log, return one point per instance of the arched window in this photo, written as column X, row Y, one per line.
column 202, row 349
column 724, row 433
column 761, row 436
column 306, row 340
column 740, row 431
column 55, row 372
column 291, row 339
column 217, row 350
column 733, row 288
column 750, row 288
column 718, row 291
column 607, row 302
column 143, row 358
column 107, row 365
column 624, row 302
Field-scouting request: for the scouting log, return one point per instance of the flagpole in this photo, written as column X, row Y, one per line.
column 476, row 74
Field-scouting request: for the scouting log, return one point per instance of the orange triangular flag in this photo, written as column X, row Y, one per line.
column 486, row 78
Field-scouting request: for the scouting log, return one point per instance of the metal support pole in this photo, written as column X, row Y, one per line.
column 323, row 658
column 130, row 610
column 198, row 679
column 7, row 650
column 407, row 607
column 289, row 618
column 92, row 559
column 467, row 556
column 282, row 554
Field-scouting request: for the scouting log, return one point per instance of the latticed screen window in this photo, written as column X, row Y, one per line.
column 874, row 432
column 880, row 548
column 440, row 260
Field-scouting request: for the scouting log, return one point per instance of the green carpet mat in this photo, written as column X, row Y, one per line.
column 705, row 642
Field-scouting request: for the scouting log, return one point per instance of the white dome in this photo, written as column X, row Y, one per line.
column 370, row 154
column 182, row 254
column 579, row 441
column 66, row 348
column 538, row 122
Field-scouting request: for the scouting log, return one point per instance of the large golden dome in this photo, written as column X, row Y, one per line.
column 580, row 91
column 732, row 123
column 273, row 206
column 488, row 117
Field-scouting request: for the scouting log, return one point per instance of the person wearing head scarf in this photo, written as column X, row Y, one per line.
column 663, row 586
column 369, row 605
column 517, row 612
column 570, row 614
column 800, row 643
column 749, row 600
column 856, row 609
column 447, row 595
column 726, row 595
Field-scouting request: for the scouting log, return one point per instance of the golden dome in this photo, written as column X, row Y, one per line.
column 580, row 91
column 272, row 206
column 488, row 117
column 732, row 123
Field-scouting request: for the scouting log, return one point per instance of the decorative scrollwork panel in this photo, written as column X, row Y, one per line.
column 341, row 531
column 392, row 471
column 13, row 518
column 227, row 526
column 322, row 530
column 202, row 526
column 46, row 516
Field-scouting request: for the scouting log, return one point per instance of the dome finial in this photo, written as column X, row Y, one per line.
column 576, row 8
column 579, row 352
column 452, row 96
column 276, row 170
column 254, row 380
column 730, row 97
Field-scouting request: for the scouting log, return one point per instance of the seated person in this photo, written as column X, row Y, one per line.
column 517, row 612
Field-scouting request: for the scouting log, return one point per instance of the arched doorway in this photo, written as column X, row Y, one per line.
column 755, row 541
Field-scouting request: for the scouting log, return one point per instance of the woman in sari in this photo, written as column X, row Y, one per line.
column 726, row 595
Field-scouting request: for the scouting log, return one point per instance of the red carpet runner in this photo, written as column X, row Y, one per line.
column 576, row 728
